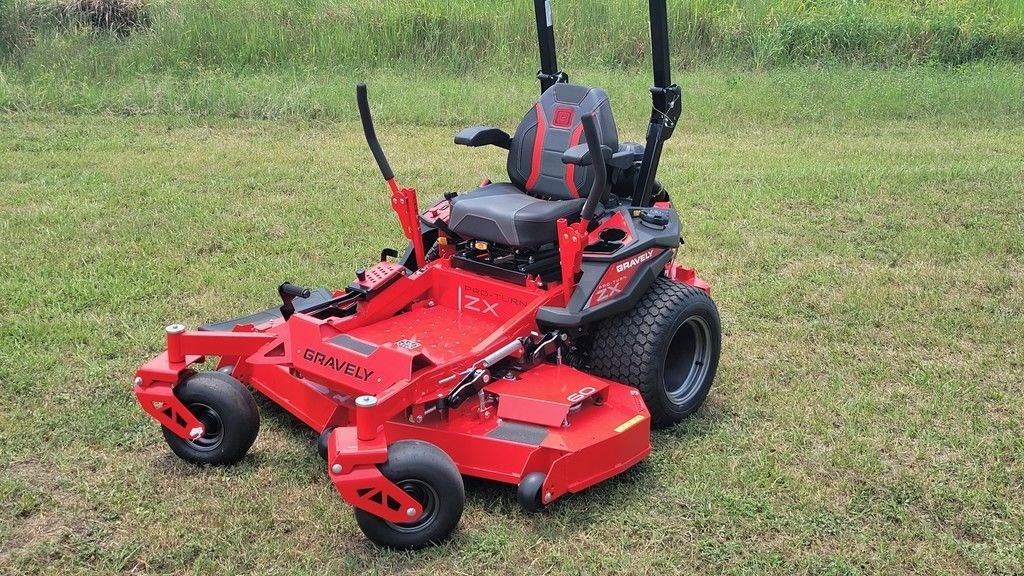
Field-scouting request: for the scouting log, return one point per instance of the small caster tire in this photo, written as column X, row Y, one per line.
column 530, row 492
column 228, row 413
column 321, row 442
column 428, row 474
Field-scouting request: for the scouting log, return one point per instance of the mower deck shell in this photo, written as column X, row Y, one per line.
column 400, row 347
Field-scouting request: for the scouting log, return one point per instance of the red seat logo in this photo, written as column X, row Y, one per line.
column 563, row 117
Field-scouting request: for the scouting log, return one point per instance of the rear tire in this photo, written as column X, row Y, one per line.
column 228, row 413
column 667, row 347
column 429, row 475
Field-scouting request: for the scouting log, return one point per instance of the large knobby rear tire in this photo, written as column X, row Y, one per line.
column 426, row 473
column 228, row 413
column 667, row 347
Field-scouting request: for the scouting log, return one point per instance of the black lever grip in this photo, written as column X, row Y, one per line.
column 597, row 191
column 289, row 289
column 370, row 133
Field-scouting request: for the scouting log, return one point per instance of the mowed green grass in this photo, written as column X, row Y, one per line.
column 866, row 417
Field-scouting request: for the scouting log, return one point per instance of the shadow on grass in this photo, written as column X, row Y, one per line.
column 270, row 410
column 571, row 514
column 170, row 466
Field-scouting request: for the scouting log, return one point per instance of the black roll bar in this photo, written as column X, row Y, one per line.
column 659, row 42
column 549, row 73
column 666, row 104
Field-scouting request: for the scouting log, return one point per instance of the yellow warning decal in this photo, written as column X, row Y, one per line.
column 629, row 423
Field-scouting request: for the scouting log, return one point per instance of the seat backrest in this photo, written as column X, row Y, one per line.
column 552, row 127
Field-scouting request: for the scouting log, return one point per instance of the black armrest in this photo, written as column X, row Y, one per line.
column 483, row 136
column 622, row 159
column 580, row 155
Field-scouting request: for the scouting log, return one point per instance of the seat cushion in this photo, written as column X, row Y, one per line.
column 504, row 214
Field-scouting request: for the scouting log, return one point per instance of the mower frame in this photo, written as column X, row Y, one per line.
column 479, row 361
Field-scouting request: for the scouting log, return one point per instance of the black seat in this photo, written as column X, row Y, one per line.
column 523, row 213
column 502, row 213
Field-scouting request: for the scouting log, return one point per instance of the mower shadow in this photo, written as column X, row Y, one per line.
column 170, row 466
column 576, row 512
column 271, row 411
column 571, row 514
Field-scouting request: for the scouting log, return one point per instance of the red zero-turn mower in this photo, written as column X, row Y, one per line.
column 533, row 333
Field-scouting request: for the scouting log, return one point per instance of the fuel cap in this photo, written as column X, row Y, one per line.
column 654, row 218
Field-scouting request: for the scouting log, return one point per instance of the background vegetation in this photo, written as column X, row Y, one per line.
column 850, row 176
column 236, row 35
column 298, row 59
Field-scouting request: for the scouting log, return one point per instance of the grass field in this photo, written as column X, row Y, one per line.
column 863, row 232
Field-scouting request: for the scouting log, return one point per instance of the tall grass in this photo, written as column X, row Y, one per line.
column 240, row 36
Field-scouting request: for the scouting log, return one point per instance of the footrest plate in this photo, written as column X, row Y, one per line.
column 380, row 275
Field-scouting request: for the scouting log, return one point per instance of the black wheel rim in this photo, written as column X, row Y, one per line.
column 427, row 497
column 688, row 359
column 213, row 427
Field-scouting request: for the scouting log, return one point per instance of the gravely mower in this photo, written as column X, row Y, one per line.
column 533, row 333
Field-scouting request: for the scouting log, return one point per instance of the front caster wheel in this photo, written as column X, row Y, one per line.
column 321, row 442
column 229, row 416
column 529, row 494
column 427, row 474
